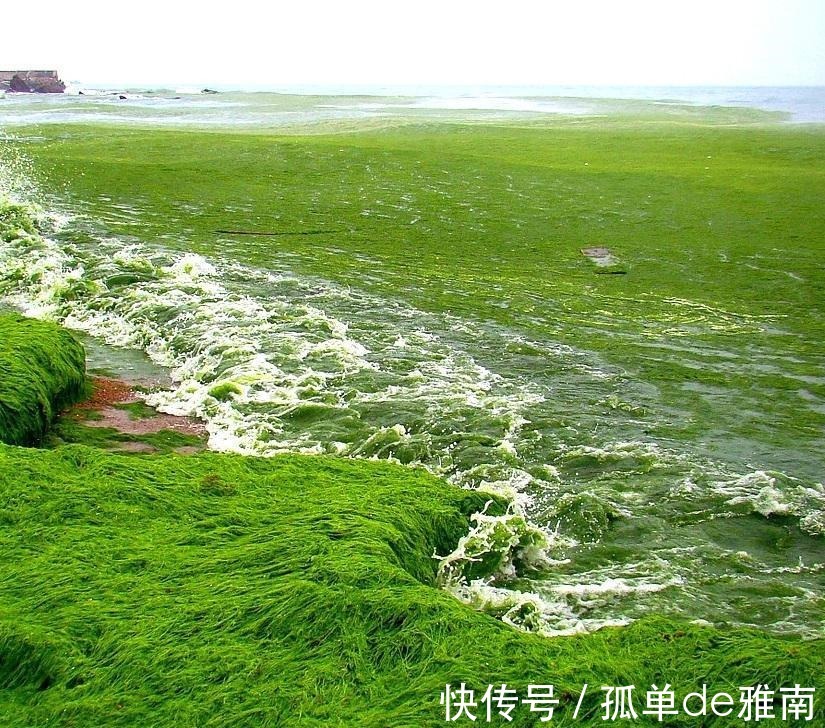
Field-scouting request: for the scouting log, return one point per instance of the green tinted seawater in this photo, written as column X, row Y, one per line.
column 420, row 294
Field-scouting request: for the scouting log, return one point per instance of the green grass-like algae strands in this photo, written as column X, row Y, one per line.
column 221, row 590
column 217, row 591
column 42, row 369
column 135, row 591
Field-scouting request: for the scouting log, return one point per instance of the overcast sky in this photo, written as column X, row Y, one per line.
column 636, row 42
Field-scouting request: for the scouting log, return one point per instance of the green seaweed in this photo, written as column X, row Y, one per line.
column 216, row 590
column 15, row 221
column 42, row 370
column 224, row 390
column 171, row 439
column 137, row 410
column 67, row 431
column 221, row 590
column 719, row 227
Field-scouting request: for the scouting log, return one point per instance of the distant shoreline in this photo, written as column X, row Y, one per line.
column 217, row 105
column 801, row 103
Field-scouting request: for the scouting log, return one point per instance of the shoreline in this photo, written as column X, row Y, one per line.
column 321, row 581
column 193, row 587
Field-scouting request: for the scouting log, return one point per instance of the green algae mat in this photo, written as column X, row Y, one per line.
column 42, row 369
column 220, row 590
column 421, row 294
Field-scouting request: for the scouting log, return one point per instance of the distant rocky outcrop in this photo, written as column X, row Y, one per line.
column 36, row 82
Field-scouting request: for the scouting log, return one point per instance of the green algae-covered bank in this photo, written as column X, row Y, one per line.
column 42, row 369
column 218, row 590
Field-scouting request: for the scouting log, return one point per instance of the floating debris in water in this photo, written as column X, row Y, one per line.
column 605, row 261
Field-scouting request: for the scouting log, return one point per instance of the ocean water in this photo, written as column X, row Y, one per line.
column 279, row 362
column 615, row 523
column 300, row 106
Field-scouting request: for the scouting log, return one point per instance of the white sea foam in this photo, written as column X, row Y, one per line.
column 530, row 611
column 228, row 350
column 761, row 493
column 560, row 610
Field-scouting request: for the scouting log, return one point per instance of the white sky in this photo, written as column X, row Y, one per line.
column 451, row 42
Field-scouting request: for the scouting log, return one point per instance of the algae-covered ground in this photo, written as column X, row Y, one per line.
column 420, row 293
column 42, row 369
column 218, row 590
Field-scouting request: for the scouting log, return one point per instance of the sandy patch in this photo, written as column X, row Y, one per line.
column 100, row 410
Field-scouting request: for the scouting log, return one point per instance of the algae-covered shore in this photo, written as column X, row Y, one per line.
column 299, row 590
column 386, row 331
